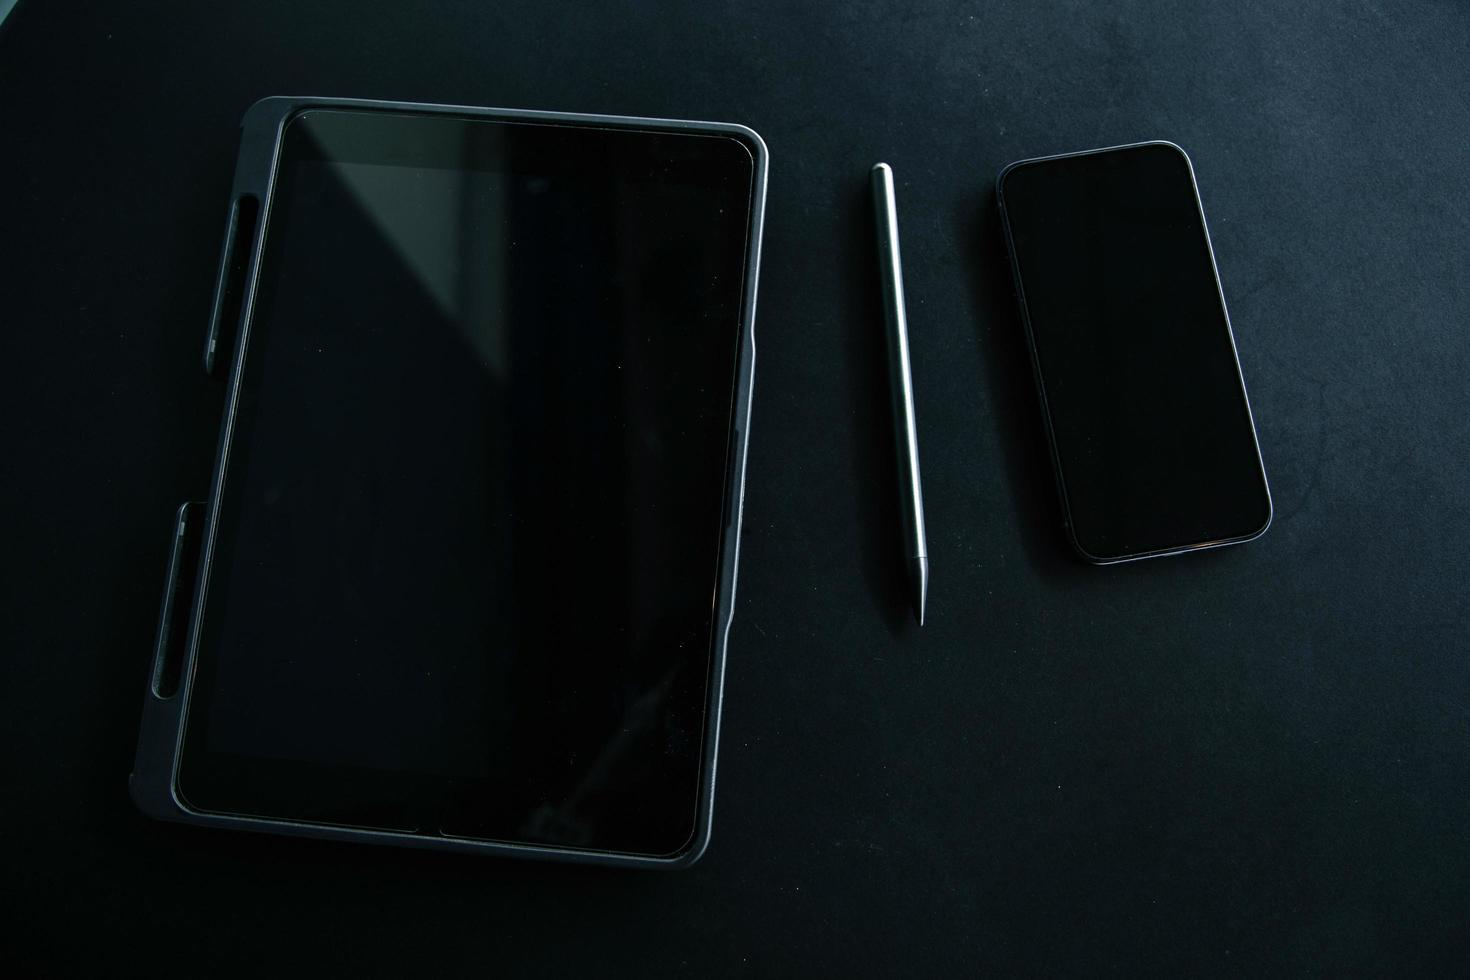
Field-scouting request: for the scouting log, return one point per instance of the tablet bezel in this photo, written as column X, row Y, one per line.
column 262, row 138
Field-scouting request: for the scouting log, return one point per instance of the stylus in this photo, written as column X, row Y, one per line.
column 905, row 430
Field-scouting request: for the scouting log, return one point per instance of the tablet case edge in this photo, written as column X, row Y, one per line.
column 153, row 781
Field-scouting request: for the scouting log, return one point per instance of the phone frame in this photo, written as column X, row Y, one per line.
column 1041, row 384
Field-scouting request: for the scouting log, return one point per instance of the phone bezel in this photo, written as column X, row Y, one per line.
column 1046, row 413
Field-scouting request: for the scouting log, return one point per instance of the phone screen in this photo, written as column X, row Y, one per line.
column 1150, row 428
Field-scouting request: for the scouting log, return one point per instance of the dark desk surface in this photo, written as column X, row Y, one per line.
column 1253, row 758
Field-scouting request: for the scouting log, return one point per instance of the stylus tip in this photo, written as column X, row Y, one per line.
column 919, row 584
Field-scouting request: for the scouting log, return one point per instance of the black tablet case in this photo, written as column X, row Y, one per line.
column 153, row 783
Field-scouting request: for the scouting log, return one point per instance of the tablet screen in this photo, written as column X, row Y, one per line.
column 469, row 533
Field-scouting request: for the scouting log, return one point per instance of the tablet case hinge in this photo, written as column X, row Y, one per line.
column 231, row 282
column 178, row 600
column 151, row 782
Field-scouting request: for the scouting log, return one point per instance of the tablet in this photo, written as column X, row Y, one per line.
column 469, row 555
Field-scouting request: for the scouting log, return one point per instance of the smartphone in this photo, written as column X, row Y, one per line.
column 1145, row 407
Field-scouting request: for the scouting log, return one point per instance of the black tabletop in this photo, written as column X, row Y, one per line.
column 1250, row 759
